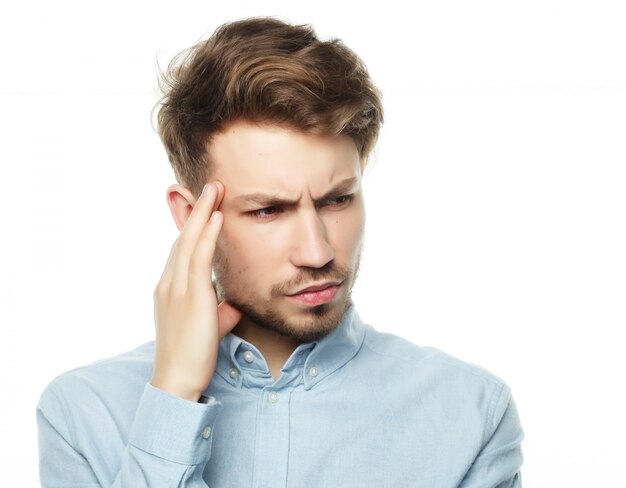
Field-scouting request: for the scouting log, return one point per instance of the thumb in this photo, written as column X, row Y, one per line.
column 227, row 317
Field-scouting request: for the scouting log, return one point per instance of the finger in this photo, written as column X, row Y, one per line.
column 202, row 257
column 201, row 262
column 191, row 234
column 178, row 260
column 227, row 317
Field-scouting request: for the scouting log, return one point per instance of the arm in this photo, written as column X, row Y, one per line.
column 189, row 322
column 168, row 445
column 169, row 441
column 500, row 459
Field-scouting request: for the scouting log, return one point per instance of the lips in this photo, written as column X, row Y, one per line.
column 314, row 288
column 316, row 294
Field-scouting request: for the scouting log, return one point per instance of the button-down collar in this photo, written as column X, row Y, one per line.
column 309, row 364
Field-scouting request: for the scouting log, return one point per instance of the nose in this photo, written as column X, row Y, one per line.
column 311, row 248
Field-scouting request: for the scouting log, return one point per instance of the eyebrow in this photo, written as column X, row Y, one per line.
column 267, row 200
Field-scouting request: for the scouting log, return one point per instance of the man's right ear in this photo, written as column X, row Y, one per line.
column 181, row 202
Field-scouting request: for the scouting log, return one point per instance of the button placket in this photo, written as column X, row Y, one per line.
column 271, row 446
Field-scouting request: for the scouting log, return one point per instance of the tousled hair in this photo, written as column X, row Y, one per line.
column 263, row 70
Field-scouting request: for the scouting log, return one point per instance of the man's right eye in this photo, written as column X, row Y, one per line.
column 265, row 213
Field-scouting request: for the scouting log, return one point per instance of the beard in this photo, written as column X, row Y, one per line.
column 309, row 325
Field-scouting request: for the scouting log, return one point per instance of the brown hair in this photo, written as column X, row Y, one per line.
column 266, row 71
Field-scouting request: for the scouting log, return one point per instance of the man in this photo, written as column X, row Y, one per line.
column 266, row 376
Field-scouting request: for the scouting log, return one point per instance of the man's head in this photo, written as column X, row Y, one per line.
column 285, row 122
column 263, row 70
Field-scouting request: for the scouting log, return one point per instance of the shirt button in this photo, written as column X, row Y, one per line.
column 206, row 433
column 248, row 356
column 313, row 371
column 233, row 373
column 273, row 397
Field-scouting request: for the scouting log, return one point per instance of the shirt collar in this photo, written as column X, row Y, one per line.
column 310, row 363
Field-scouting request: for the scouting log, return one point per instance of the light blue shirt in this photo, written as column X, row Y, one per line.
column 358, row 408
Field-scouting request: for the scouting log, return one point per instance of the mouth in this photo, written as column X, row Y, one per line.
column 317, row 294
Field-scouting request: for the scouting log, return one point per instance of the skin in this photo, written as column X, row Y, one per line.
column 261, row 252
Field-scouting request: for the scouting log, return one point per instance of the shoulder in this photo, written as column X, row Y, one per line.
column 99, row 385
column 434, row 370
column 111, row 371
column 396, row 349
column 446, row 386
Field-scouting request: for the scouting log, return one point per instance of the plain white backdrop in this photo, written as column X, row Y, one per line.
column 496, row 199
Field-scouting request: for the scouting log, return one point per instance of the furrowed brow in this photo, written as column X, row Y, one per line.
column 340, row 189
column 265, row 200
column 268, row 200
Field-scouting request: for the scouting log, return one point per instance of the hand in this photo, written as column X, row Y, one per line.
column 189, row 322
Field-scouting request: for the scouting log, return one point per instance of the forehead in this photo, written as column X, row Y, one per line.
column 248, row 157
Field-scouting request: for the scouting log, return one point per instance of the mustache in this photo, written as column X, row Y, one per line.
column 328, row 272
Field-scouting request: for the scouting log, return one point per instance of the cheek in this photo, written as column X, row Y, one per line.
column 229, row 246
column 246, row 250
column 346, row 230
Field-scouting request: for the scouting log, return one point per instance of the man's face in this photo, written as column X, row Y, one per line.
column 293, row 219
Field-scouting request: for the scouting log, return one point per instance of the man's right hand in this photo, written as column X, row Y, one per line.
column 189, row 322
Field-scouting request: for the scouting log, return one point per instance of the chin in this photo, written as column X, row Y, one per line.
column 308, row 325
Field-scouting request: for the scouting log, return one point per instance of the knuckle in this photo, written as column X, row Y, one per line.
column 177, row 291
column 159, row 290
column 162, row 291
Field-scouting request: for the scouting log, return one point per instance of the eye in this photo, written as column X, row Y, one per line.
column 340, row 201
column 265, row 213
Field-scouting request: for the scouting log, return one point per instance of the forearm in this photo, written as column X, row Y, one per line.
column 169, row 444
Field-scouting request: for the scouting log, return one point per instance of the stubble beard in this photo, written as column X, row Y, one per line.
column 313, row 324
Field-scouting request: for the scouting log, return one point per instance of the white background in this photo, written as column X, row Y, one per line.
column 496, row 202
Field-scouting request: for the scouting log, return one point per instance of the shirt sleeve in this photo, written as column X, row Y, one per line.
column 499, row 462
column 169, row 445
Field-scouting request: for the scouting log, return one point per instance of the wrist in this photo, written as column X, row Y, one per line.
column 175, row 389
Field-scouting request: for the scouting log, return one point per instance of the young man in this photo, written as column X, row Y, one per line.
column 266, row 376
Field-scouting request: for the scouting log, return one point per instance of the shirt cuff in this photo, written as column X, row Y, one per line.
column 173, row 428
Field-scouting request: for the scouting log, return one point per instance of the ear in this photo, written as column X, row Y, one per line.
column 181, row 202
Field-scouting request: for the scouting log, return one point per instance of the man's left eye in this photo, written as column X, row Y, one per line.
column 340, row 200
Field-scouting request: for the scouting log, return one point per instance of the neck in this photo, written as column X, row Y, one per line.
column 276, row 348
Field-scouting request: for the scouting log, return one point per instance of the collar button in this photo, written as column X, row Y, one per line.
column 273, row 397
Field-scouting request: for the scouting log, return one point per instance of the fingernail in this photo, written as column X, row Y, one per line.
column 207, row 189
